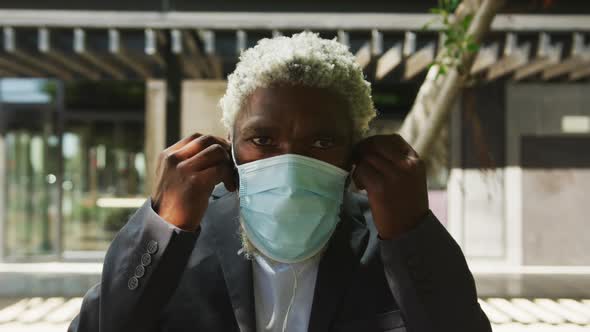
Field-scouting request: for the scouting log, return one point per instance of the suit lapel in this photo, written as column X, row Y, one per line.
column 336, row 269
column 223, row 217
column 337, row 266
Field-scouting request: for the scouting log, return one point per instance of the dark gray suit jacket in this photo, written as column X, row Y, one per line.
column 158, row 278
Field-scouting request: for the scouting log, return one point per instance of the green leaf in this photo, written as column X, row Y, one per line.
column 472, row 47
column 450, row 34
column 466, row 22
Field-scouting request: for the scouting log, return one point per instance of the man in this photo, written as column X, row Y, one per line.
column 284, row 246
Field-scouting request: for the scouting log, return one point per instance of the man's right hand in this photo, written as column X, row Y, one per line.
column 186, row 175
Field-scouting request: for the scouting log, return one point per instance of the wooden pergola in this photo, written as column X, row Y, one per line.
column 91, row 45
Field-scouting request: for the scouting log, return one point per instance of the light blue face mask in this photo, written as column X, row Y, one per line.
column 290, row 205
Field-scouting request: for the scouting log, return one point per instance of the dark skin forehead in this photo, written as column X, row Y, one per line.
column 308, row 121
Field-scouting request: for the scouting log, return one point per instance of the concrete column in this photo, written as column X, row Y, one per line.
column 155, row 128
column 200, row 112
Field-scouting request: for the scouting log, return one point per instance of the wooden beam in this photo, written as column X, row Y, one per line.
column 272, row 20
column 44, row 40
column 396, row 55
column 176, row 42
column 120, row 54
column 37, row 63
column 579, row 56
column 27, row 60
column 196, row 65
column 409, row 43
column 515, row 56
column 207, row 37
column 563, row 68
column 151, row 49
column 101, row 64
column 7, row 73
column 44, row 47
column 71, row 64
column 389, row 61
column 189, row 68
column 241, row 41
column 16, row 67
column 419, row 61
column 547, row 55
column 486, row 57
column 139, row 68
column 363, row 55
column 343, row 38
column 215, row 63
column 376, row 43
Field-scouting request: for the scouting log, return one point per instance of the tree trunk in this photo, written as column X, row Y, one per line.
column 424, row 127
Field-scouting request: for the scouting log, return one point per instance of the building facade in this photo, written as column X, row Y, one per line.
column 91, row 96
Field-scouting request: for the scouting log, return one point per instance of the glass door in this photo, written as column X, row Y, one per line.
column 31, row 168
column 104, row 173
column 70, row 177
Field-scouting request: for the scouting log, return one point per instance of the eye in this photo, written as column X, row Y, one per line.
column 262, row 141
column 324, row 143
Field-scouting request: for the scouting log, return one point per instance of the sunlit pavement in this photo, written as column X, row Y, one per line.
column 38, row 314
column 507, row 315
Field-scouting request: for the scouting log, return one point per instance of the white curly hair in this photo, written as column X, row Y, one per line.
column 302, row 59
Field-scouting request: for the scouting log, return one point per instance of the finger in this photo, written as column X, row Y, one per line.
column 229, row 177
column 211, row 156
column 385, row 166
column 182, row 142
column 366, row 176
column 220, row 173
column 381, row 144
column 199, row 144
column 169, row 156
column 409, row 158
column 404, row 147
column 392, row 147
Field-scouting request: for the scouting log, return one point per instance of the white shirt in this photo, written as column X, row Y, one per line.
column 275, row 290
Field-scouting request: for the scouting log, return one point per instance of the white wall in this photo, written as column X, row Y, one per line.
column 199, row 110
column 155, row 127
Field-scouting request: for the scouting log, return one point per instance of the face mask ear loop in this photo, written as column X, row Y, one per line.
column 292, row 298
column 233, row 155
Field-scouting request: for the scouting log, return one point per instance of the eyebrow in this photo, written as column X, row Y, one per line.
column 259, row 126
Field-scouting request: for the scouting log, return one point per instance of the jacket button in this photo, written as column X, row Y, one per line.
column 139, row 271
column 152, row 247
column 146, row 259
column 133, row 283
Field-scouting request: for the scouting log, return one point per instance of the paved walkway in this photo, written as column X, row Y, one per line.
column 507, row 315
column 46, row 296
column 533, row 285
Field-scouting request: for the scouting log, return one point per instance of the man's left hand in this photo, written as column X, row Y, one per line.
column 393, row 175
